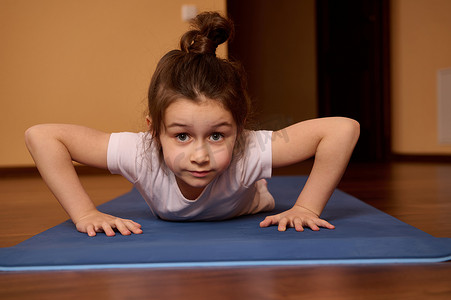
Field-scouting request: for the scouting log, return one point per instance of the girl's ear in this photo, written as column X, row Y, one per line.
column 148, row 122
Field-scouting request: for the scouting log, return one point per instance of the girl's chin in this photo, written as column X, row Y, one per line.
column 194, row 182
column 198, row 183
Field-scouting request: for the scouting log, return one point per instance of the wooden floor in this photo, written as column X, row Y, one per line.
column 416, row 193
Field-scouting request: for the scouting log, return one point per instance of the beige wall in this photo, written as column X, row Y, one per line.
column 421, row 45
column 87, row 62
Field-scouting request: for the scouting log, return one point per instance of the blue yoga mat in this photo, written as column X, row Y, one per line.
column 363, row 234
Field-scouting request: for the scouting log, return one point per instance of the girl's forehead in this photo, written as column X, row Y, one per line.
column 201, row 102
column 189, row 112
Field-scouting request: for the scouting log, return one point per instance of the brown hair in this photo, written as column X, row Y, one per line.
column 195, row 73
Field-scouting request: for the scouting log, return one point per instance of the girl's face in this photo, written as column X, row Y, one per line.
column 197, row 140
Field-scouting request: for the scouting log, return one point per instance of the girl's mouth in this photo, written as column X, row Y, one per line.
column 200, row 174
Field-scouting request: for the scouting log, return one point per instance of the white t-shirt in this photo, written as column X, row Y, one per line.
column 236, row 191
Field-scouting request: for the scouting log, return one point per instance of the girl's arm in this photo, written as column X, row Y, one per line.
column 53, row 148
column 331, row 141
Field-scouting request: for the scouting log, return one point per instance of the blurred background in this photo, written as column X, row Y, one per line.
column 385, row 63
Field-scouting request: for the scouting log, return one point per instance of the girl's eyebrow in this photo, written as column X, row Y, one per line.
column 227, row 124
column 175, row 124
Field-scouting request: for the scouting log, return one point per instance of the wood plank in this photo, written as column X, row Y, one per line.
column 416, row 193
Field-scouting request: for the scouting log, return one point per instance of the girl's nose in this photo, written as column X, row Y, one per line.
column 200, row 154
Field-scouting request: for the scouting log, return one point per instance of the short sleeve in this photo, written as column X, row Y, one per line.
column 123, row 151
column 257, row 160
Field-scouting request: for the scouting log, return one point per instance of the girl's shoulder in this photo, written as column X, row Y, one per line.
column 140, row 144
column 256, row 159
column 258, row 140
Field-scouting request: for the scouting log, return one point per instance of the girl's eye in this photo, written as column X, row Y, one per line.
column 182, row 137
column 216, row 137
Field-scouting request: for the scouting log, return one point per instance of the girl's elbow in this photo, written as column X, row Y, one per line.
column 30, row 134
column 345, row 129
column 34, row 135
column 352, row 128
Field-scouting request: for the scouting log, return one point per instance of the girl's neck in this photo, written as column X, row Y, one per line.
column 189, row 192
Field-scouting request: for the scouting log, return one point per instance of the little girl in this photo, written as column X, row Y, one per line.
column 199, row 160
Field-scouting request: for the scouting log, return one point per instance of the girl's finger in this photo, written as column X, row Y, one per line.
column 283, row 224
column 127, row 221
column 134, row 227
column 312, row 225
column 121, row 227
column 108, row 230
column 298, row 225
column 268, row 221
column 136, row 224
column 326, row 224
column 90, row 230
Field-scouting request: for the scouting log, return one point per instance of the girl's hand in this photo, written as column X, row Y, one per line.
column 97, row 221
column 297, row 217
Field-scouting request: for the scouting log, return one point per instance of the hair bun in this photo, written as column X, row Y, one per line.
column 209, row 31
